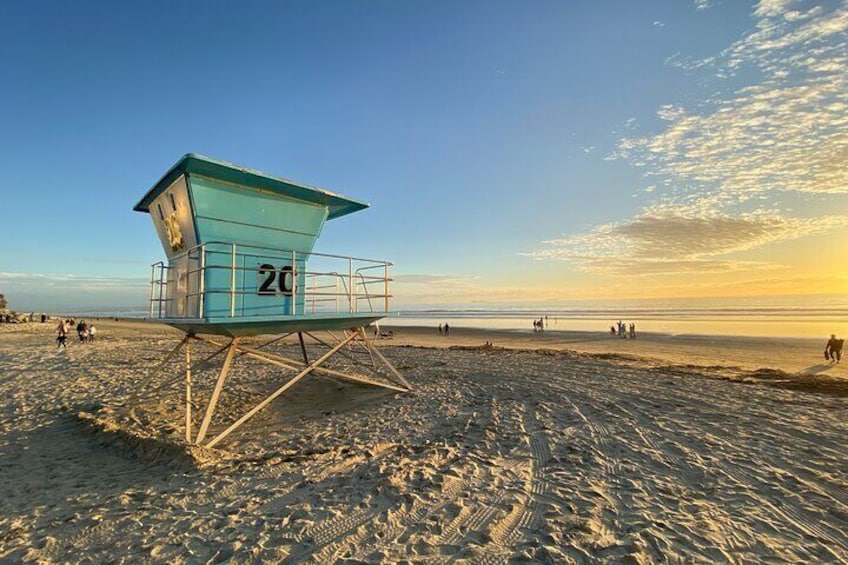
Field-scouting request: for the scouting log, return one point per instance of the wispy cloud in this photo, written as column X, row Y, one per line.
column 673, row 243
column 442, row 289
column 784, row 133
column 720, row 167
column 69, row 281
column 67, row 292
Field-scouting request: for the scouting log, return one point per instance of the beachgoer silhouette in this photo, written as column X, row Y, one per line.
column 82, row 330
column 632, row 330
column 441, row 331
column 447, row 329
column 62, row 335
column 833, row 349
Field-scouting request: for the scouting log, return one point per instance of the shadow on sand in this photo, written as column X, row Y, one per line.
column 62, row 457
column 816, row 369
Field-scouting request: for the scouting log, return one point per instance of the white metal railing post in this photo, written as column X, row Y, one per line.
column 161, row 287
column 152, row 287
column 350, row 301
column 386, row 286
column 294, row 283
column 233, row 283
column 338, row 292
column 202, row 285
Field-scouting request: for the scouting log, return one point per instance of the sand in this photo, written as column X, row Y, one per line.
column 542, row 448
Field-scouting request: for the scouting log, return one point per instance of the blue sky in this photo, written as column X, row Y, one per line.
column 543, row 150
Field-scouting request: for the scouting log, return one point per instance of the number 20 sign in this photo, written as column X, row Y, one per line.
column 268, row 275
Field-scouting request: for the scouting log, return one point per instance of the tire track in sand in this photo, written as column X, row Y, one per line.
column 526, row 514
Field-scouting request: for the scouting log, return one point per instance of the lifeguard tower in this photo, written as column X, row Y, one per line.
column 240, row 262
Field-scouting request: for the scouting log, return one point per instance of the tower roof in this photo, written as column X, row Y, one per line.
column 193, row 164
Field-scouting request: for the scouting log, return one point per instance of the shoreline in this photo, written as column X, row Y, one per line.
column 795, row 355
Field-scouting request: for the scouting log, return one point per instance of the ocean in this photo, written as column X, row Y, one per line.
column 775, row 316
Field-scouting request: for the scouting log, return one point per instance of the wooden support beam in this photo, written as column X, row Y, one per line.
column 279, row 391
column 267, row 343
column 303, row 348
column 286, row 363
column 347, row 354
column 373, row 382
column 188, row 392
column 158, row 368
column 385, row 361
column 199, row 364
column 367, row 349
column 217, row 352
column 210, row 409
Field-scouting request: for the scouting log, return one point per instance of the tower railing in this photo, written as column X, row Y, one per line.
column 193, row 282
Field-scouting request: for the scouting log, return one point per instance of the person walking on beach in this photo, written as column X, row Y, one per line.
column 833, row 349
column 62, row 335
column 632, row 330
column 447, row 328
column 441, row 331
column 92, row 331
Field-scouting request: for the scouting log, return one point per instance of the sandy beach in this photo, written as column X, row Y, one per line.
column 557, row 447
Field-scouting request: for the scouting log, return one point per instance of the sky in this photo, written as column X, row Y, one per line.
column 511, row 151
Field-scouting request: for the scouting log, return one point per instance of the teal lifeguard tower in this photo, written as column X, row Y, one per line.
column 240, row 262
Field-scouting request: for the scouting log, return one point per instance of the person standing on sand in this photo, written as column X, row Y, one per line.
column 62, row 335
column 833, row 349
column 447, row 328
column 441, row 331
column 91, row 332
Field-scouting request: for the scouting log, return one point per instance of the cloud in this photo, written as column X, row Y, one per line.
column 703, row 286
column 69, row 281
column 70, row 293
column 703, row 4
column 770, row 8
column 667, row 243
column 787, row 132
column 671, row 113
column 721, row 168
column 416, row 278
column 417, row 289
column 616, row 267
